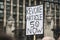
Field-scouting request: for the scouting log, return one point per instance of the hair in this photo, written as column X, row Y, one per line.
column 4, row 36
column 48, row 38
column 58, row 38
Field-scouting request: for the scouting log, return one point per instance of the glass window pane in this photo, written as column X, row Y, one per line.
column 32, row 3
column 7, row 0
column 1, row 2
column 47, row 4
column 27, row 3
column 1, row 11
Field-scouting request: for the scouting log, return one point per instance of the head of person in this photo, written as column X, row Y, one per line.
column 58, row 38
column 48, row 38
column 4, row 36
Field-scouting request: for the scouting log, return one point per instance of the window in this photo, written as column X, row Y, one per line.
column 14, row 4
column 0, row 19
column 46, row 0
column 21, row 18
column 8, row 12
column 27, row 2
column 7, row 3
column 59, row 11
column 21, row 9
column 1, row 5
column 21, row 25
column 50, row 0
column 21, row 14
column 8, row 8
column 52, row 4
column 14, row 1
column 1, row 15
column 55, row 0
column 38, row 2
column 20, row 5
column 7, row 0
column 47, row 4
column 1, row 2
column 32, row 3
column 1, row 11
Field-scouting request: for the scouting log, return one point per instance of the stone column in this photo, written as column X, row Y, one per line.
column 34, row 2
column 23, row 14
column 23, row 28
column 45, row 21
column 29, row 2
column 11, row 8
column 17, row 28
column 4, row 15
column 55, row 17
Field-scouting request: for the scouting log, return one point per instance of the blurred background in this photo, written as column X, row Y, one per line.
column 13, row 14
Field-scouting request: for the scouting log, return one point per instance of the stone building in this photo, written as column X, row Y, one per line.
column 16, row 9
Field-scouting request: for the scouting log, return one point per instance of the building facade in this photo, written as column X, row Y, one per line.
column 16, row 9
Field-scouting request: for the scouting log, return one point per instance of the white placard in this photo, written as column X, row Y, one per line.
column 34, row 20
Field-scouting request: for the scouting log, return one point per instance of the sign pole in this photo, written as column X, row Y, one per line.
column 34, row 38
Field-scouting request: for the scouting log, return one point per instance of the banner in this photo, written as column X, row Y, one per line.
column 34, row 20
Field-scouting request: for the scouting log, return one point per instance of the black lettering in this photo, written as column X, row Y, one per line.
column 36, row 17
column 32, row 24
column 30, row 30
column 30, row 10
column 37, row 23
column 41, row 16
column 37, row 31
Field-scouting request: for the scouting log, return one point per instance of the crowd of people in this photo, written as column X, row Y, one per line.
column 4, row 36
